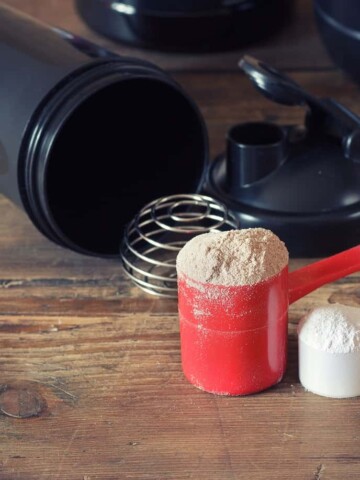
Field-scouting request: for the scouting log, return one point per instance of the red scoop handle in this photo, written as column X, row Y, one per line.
column 309, row 278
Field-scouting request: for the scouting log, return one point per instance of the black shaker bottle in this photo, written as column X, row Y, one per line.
column 88, row 137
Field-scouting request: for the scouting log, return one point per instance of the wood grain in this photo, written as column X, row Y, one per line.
column 91, row 365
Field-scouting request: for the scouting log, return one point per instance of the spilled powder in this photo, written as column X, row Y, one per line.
column 332, row 329
column 236, row 257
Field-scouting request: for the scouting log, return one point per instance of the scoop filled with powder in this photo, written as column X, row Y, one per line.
column 233, row 310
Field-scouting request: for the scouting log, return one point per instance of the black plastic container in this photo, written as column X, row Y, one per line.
column 339, row 26
column 87, row 137
column 185, row 25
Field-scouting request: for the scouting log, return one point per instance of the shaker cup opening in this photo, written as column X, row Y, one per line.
column 90, row 136
column 121, row 147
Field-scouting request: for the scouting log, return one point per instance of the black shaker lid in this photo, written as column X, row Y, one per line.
column 300, row 181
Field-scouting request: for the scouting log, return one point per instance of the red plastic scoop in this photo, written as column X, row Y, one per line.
column 234, row 338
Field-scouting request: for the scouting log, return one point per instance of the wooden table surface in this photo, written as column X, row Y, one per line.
column 98, row 362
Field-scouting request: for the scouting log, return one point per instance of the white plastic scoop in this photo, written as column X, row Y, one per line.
column 329, row 351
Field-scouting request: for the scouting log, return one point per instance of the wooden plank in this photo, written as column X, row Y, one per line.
column 117, row 406
column 297, row 46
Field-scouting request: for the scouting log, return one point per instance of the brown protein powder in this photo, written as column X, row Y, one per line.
column 236, row 257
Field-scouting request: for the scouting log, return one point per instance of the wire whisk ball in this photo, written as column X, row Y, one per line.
column 158, row 232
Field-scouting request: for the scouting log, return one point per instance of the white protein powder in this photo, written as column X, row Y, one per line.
column 329, row 351
column 333, row 329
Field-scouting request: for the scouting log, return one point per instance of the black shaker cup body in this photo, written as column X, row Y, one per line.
column 88, row 137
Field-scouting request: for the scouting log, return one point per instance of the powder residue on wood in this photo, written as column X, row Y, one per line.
column 236, row 257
